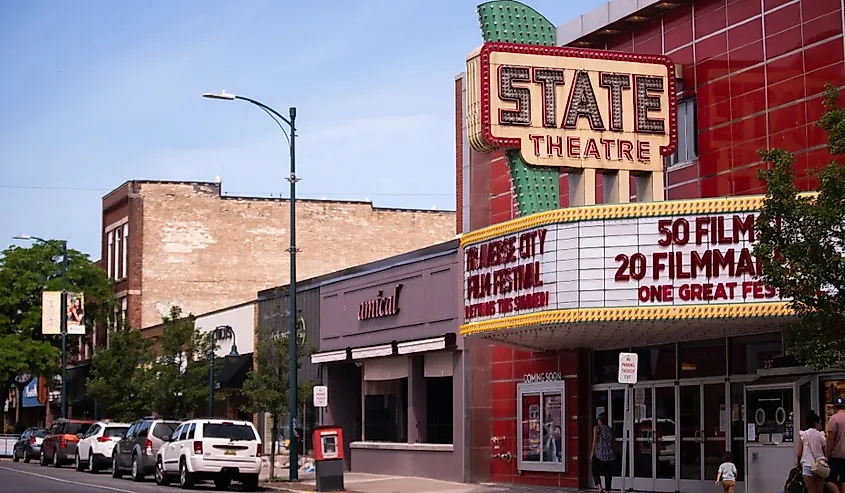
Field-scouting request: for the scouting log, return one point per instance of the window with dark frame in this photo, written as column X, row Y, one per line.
column 385, row 411
column 439, row 412
column 687, row 150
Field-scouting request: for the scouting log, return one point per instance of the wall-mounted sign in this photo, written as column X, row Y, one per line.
column 622, row 261
column 552, row 376
column 381, row 306
column 30, row 394
column 506, row 275
column 572, row 108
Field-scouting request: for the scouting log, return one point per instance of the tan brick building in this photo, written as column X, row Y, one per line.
column 184, row 243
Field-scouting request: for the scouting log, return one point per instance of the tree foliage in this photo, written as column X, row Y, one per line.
column 118, row 375
column 801, row 241
column 24, row 274
column 176, row 385
column 267, row 386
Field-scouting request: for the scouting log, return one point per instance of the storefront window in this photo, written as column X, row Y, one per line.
column 541, row 433
column 738, row 429
column 752, row 353
column 702, row 359
column 830, row 390
column 656, row 362
column 385, row 404
column 439, row 410
column 769, row 411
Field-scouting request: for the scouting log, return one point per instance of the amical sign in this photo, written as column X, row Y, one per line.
column 572, row 108
column 628, row 368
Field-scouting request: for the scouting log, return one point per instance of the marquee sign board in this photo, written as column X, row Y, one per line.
column 572, row 108
column 682, row 259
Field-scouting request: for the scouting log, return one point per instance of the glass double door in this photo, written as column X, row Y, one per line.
column 679, row 432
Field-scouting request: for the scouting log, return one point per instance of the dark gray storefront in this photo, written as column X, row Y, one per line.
column 393, row 363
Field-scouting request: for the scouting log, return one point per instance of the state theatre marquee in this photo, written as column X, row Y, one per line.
column 657, row 258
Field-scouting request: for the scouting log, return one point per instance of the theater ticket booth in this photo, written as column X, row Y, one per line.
column 775, row 410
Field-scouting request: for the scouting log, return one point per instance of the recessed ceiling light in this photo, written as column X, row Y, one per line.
column 609, row 31
column 582, row 43
column 666, row 5
column 637, row 18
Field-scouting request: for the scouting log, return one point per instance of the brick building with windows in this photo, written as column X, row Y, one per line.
column 749, row 75
column 186, row 244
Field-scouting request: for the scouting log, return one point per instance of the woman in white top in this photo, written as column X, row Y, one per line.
column 810, row 448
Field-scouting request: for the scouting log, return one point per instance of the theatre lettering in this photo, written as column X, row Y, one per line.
column 573, row 108
column 706, row 259
column 504, row 275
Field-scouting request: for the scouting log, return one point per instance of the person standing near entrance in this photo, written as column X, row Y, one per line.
column 811, row 446
column 727, row 473
column 603, row 454
column 835, row 446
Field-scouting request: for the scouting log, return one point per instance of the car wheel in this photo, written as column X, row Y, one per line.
column 78, row 465
column 42, row 459
column 57, row 463
column 161, row 477
column 15, row 457
column 186, row 477
column 137, row 472
column 115, row 470
column 249, row 483
column 223, row 483
column 92, row 465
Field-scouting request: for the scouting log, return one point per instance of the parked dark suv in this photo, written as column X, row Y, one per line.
column 136, row 452
column 59, row 446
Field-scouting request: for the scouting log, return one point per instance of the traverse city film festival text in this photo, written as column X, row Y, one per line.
column 726, row 267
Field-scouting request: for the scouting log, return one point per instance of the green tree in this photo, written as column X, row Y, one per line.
column 176, row 385
column 267, row 386
column 801, row 241
column 24, row 274
column 117, row 377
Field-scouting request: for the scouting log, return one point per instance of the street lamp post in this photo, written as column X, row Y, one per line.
column 63, row 311
column 293, row 474
column 219, row 333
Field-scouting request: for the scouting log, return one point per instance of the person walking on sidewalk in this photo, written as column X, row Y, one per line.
column 727, row 473
column 834, row 448
column 603, row 454
column 811, row 453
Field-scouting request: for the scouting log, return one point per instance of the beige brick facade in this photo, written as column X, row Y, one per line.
column 203, row 251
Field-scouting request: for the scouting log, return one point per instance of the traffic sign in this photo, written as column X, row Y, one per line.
column 628, row 368
column 321, row 396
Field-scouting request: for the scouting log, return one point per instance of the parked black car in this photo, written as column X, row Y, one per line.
column 28, row 446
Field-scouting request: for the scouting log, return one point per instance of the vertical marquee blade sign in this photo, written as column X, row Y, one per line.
column 578, row 110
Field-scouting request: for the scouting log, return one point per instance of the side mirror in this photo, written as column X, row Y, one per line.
column 165, row 438
column 79, row 436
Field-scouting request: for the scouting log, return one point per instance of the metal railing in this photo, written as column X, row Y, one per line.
column 7, row 444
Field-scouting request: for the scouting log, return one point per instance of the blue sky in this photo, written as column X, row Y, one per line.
column 98, row 92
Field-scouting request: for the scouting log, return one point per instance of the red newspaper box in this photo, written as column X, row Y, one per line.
column 328, row 458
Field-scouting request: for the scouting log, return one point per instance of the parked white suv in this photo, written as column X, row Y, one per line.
column 95, row 448
column 221, row 450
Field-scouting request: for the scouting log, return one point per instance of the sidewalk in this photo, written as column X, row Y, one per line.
column 374, row 483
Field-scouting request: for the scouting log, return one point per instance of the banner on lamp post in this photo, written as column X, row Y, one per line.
column 51, row 310
column 75, row 314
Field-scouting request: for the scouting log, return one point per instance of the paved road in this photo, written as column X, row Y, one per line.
column 32, row 478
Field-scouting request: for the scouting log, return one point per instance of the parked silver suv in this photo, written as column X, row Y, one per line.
column 136, row 452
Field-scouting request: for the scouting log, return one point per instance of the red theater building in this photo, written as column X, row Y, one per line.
column 607, row 191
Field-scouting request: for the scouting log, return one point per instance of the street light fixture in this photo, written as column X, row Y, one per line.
column 293, row 474
column 220, row 333
column 63, row 309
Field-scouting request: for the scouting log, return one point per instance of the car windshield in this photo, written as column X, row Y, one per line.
column 162, row 430
column 115, row 431
column 74, row 428
column 39, row 433
column 231, row 431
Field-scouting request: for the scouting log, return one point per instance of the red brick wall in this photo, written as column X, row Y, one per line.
column 758, row 73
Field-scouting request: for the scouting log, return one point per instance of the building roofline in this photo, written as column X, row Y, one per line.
column 419, row 255
column 276, row 199
column 601, row 17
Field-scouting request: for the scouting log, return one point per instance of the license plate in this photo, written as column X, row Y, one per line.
column 230, row 452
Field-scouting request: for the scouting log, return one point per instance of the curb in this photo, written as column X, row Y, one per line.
column 279, row 487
